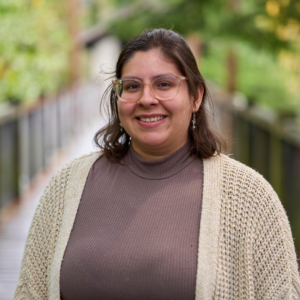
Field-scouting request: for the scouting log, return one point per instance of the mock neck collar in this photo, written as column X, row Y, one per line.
column 160, row 169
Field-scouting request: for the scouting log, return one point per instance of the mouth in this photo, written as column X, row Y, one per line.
column 151, row 119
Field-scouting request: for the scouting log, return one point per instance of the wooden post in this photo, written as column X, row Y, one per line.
column 232, row 67
column 276, row 165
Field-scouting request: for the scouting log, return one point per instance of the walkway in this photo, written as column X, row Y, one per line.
column 13, row 236
column 14, row 233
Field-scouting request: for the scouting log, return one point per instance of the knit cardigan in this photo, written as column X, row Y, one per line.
column 246, row 250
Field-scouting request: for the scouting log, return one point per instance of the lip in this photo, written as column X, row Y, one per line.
column 150, row 116
column 151, row 124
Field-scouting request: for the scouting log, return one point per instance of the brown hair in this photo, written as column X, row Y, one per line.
column 205, row 142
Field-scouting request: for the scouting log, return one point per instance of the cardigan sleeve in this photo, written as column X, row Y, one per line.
column 41, row 240
column 275, row 265
column 256, row 254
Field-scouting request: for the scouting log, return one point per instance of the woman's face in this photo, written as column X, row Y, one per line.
column 159, row 138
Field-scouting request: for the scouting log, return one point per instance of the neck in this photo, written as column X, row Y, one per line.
column 151, row 155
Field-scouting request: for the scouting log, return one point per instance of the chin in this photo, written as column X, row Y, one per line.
column 149, row 141
column 153, row 143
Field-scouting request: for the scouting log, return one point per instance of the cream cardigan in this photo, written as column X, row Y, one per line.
column 246, row 249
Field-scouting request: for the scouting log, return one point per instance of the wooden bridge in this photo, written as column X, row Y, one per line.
column 14, row 231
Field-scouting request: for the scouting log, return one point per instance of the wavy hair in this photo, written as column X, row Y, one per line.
column 204, row 140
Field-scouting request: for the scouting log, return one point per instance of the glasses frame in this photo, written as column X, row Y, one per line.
column 143, row 85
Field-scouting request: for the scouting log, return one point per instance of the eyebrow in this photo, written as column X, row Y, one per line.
column 154, row 77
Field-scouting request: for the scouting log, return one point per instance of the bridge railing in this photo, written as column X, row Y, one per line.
column 262, row 140
column 30, row 135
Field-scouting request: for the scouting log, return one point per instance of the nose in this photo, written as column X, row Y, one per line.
column 147, row 97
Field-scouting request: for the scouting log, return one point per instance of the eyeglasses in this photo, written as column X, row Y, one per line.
column 162, row 88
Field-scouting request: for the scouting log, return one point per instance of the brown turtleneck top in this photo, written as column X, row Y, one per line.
column 136, row 231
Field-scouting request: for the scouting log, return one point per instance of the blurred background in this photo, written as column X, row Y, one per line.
column 54, row 55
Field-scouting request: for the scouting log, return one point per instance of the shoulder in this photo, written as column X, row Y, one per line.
column 229, row 164
column 237, row 175
column 83, row 161
column 54, row 192
column 80, row 164
column 240, row 185
column 247, row 197
column 69, row 173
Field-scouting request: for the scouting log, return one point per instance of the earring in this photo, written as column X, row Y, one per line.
column 194, row 121
column 121, row 127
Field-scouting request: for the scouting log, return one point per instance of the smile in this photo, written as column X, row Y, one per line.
column 152, row 119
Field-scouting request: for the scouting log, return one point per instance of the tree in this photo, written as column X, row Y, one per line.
column 34, row 48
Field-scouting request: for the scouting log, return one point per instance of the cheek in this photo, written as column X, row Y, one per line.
column 126, row 111
column 182, row 111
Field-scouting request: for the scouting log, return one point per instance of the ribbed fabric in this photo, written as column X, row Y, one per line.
column 136, row 231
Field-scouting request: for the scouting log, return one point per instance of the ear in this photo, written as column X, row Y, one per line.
column 197, row 102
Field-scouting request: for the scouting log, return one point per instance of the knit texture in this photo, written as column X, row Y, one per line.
column 246, row 249
column 255, row 241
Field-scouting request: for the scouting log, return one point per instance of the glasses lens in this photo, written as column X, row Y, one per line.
column 128, row 89
column 165, row 88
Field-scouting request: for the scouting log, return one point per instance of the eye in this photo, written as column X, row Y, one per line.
column 164, row 84
column 131, row 86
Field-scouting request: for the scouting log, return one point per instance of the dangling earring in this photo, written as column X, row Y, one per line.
column 194, row 121
column 121, row 127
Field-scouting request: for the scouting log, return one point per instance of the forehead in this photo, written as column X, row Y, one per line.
column 147, row 64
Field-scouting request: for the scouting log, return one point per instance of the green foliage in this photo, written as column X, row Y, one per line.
column 260, row 77
column 259, row 30
column 34, row 49
column 211, row 65
column 210, row 17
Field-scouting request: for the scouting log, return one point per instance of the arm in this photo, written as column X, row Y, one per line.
column 274, row 259
column 41, row 241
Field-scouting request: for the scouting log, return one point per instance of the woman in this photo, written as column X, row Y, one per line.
column 159, row 213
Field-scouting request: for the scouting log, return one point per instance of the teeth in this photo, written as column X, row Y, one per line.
column 154, row 119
